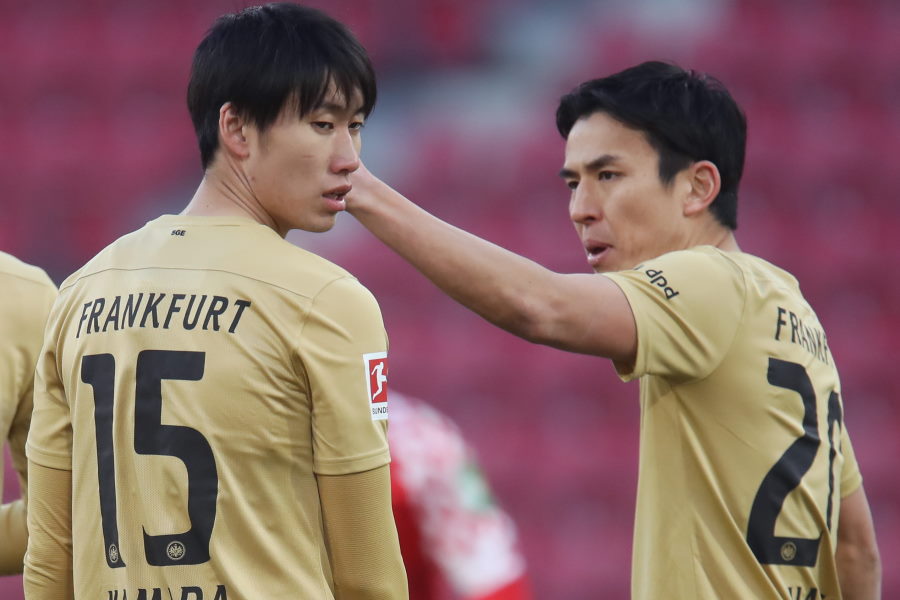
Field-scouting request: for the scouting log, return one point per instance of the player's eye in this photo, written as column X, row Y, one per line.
column 323, row 125
column 356, row 125
column 572, row 184
column 607, row 175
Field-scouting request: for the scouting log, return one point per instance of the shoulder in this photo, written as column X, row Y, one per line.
column 699, row 261
column 226, row 247
column 703, row 273
column 28, row 294
column 24, row 286
column 103, row 260
column 760, row 273
column 265, row 257
column 14, row 271
column 317, row 271
column 688, row 306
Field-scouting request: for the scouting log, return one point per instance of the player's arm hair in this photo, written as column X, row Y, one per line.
column 858, row 561
column 48, row 562
column 577, row 312
column 362, row 539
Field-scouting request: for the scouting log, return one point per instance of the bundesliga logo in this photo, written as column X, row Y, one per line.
column 376, row 383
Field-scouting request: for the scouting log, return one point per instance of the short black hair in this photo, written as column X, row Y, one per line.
column 265, row 56
column 686, row 116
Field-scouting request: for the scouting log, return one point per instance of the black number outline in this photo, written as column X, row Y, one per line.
column 835, row 416
column 151, row 437
column 786, row 474
column 99, row 371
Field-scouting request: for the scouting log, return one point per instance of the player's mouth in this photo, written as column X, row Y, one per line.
column 596, row 252
column 335, row 197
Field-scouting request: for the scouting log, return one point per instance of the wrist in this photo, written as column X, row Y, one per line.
column 369, row 197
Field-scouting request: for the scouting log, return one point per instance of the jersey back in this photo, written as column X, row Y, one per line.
column 744, row 455
column 196, row 376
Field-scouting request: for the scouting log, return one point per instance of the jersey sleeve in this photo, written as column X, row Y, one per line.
column 687, row 306
column 50, row 435
column 343, row 330
column 362, row 539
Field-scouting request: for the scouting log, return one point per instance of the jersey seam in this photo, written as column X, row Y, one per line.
column 43, row 457
column 296, row 347
column 737, row 328
column 626, row 290
column 358, row 463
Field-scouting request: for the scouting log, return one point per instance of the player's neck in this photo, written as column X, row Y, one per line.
column 222, row 194
column 728, row 242
column 710, row 232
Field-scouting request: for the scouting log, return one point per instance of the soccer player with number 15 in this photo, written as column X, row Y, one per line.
column 210, row 402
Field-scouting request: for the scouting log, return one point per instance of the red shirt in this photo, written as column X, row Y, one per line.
column 456, row 542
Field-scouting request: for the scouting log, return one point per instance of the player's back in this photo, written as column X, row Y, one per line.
column 744, row 456
column 770, row 423
column 197, row 356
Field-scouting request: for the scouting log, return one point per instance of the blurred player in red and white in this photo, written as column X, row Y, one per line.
column 456, row 542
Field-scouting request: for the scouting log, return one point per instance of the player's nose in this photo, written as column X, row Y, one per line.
column 584, row 207
column 345, row 154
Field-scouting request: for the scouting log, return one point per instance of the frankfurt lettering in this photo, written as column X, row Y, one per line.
column 811, row 339
column 161, row 310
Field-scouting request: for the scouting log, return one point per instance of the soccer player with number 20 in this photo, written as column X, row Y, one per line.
column 748, row 486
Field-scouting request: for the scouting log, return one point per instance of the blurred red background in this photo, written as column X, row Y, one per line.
column 98, row 140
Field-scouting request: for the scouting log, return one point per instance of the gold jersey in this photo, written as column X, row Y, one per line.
column 26, row 294
column 197, row 375
column 744, row 456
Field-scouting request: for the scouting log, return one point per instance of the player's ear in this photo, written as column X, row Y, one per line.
column 232, row 131
column 705, row 183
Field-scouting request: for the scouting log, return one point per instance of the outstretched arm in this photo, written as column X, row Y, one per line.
column 577, row 312
column 858, row 562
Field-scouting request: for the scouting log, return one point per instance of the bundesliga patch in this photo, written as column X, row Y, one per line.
column 376, row 383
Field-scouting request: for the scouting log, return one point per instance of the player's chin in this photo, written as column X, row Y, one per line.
column 320, row 225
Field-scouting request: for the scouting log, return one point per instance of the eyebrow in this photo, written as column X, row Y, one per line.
column 595, row 165
column 334, row 107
